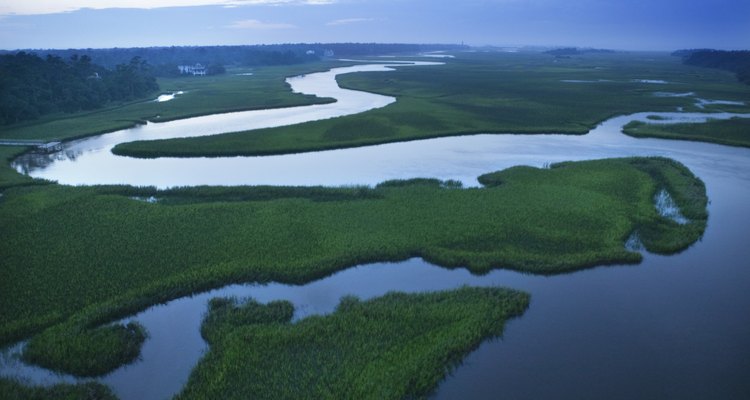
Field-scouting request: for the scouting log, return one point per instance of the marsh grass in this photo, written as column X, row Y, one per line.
column 14, row 390
column 520, row 93
column 394, row 347
column 75, row 258
column 85, row 351
column 731, row 132
column 9, row 177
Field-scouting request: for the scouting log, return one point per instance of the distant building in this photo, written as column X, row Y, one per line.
column 310, row 52
column 328, row 53
column 195, row 70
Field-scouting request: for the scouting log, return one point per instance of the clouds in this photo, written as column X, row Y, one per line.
column 347, row 21
column 27, row 7
column 631, row 24
column 259, row 25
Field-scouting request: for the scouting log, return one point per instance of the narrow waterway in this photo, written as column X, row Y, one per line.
column 672, row 327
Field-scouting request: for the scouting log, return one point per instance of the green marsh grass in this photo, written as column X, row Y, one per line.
column 8, row 176
column 731, row 132
column 521, row 93
column 399, row 346
column 14, row 390
column 75, row 258
column 96, row 351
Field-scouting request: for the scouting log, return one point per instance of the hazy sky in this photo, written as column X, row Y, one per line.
column 618, row 24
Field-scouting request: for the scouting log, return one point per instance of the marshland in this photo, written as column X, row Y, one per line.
column 475, row 166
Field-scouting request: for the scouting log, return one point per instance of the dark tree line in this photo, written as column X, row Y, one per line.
column 166, row 59
column 575, row 51
column 32, row 86
column 85, row 79
column 737, row 61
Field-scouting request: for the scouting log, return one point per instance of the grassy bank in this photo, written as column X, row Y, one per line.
column 480, row 93
column 8, row 176
column 82, row 256
column 266, row 88
column 732, row 132
column 394, row 347
column 13, row 390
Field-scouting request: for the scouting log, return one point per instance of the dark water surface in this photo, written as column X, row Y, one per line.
column 672, row 327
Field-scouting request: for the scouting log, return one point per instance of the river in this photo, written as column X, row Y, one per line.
column 671, row 327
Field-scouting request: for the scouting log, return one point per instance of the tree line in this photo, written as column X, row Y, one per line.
column 737, row 61
column 40, row 82
column 32, row 86
column 166, row 59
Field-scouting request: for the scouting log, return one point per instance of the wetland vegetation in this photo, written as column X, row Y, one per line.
column 480, row 93
column 394, row 347
column 99, row 254
column 731, row 132
column 15, row 390
column 77, row 258
column 8, row 176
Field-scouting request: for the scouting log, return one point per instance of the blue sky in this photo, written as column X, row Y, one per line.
column 625, row 24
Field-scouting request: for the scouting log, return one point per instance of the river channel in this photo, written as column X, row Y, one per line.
column 671, row 327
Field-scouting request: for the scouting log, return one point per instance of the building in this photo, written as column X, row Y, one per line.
column 194, row 70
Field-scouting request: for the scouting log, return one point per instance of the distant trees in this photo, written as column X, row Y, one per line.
column 737, row 61
column 574, row 51
column 85, row 79
column 166, row 59
column 215, row 69
column 31, row 86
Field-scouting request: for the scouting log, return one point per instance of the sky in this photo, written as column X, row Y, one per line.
column 613, row 24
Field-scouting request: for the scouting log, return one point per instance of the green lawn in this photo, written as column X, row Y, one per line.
column 394, row 347
column 732, row 132
column 266, row 88
column 481, row 92
column 77, row 257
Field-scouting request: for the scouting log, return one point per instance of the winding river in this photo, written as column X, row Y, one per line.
column 671, row 327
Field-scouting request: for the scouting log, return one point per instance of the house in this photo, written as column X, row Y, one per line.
column 194, row 70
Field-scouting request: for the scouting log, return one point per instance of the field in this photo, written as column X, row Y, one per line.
column 395, row 347
column 78, row 257
column 266, row 88
column 482, row 93
column 731, row 132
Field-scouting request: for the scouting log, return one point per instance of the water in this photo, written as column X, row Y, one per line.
column 671, row 327
column 168, row 96
column 667, row 207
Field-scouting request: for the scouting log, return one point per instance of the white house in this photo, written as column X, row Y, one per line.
column 194, row 70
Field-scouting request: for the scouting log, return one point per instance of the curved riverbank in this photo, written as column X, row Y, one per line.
column 469, row 95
